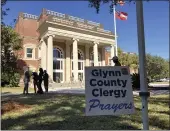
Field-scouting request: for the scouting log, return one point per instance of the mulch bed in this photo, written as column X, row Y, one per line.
column 10, row 105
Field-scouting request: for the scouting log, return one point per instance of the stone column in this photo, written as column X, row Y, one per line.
column 87, row 55
column 95, row 50
column 75, row 59
column 50, row 56
column 103, row 56
column 43, row 55
column 68, row 67
column 112, row 53
column 40, row 53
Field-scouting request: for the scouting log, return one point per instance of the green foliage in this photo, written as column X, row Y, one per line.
column 10, row 80
column 14, row 81
column 10, row 43
column 157, row 67
column 130, row 60
column 136, row 81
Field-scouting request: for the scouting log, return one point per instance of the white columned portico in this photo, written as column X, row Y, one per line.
column 50, row 56
column 112, row 54
column 43, row 55
column 87, row 55
column 75, row 58
column 103, row 56
column 67, row 74
column 95, row 50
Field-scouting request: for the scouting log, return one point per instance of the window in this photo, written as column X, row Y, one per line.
column 58, row 65
column 80, row 64
column 92, row 59
column 29, row 52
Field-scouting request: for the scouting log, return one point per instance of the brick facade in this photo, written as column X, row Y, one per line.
column 27, row 29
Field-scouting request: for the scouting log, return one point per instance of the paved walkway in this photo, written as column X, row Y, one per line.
column 82, row 91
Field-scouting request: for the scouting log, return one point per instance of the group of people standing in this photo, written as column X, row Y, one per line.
column 37, row 81
column 43, row 76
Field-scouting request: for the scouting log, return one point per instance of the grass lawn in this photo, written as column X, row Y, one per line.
column 56, row 111
column 14, row 90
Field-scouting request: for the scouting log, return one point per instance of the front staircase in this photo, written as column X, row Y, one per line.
column 66, row 85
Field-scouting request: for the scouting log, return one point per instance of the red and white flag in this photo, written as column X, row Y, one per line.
column 121, row 15
column 121, row 2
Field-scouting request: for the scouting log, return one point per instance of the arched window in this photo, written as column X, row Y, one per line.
column 92, row 58
column 80, row 55
column 58, row 53
column 58, row 65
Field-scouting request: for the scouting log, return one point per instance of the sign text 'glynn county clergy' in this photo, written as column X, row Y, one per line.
column 108, row 91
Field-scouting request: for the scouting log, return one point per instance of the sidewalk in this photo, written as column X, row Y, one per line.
column 65, row 91
column 79, row 91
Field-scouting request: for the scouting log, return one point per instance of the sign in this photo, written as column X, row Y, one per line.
column 108, row 91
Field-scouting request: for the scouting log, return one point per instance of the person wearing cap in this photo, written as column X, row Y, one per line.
column 116, row 61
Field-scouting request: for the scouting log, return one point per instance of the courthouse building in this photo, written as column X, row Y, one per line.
column 62, row 44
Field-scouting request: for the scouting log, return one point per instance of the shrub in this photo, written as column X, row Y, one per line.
column 4, row 79
column 136, row 81
column 14, row 81
column 10, row 80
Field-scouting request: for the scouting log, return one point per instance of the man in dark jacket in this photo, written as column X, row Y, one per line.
column 40, row 79
column 116, row 61
column 26, row 80
column 35, row 81
column 45, row 77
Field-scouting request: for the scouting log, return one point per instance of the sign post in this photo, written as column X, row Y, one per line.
column 142, row 70
column 108, row 91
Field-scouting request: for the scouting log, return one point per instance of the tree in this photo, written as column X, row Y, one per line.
column 10, row 42
column 96, row 4
column 156, row 67
column 165, row 70
column 126, row 59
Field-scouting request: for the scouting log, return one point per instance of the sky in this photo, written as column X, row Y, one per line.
column 156, row 21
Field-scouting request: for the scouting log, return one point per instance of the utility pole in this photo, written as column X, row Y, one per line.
column 142, row 62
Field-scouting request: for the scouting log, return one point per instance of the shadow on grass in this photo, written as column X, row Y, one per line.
column 67, row 112
column 2, row 93
column 61, row 112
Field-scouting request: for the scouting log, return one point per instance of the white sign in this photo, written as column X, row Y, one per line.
column 108, row 91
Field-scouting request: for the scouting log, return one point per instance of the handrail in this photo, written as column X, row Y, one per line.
column 26, row 15
column 49, row 12
column 72, row 18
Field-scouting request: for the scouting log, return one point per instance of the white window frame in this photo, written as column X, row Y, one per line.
column 26, row 46
column 99, row 59
column 29, row 53
column 79, row 60
column 61, row 60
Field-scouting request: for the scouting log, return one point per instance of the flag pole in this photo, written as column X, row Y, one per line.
column 142, row 64
column 114, row 12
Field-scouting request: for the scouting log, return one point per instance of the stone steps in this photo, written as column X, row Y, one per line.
column 66, row 85
column 58, row 85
